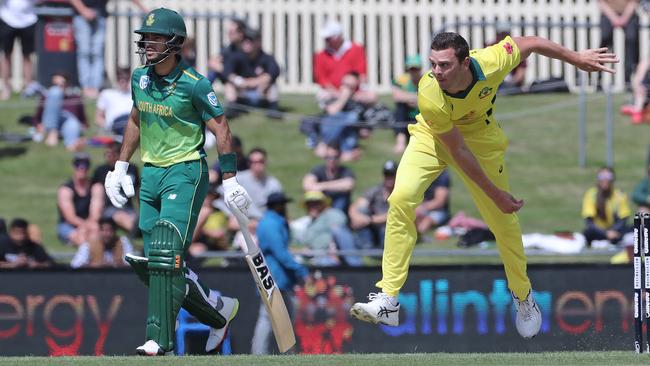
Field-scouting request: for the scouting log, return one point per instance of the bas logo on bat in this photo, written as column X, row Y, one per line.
column 263, row 273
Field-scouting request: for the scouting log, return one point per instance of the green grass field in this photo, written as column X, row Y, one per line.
column 486, row 359
column 543, row 159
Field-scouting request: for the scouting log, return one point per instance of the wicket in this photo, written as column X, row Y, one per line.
column 641, row 227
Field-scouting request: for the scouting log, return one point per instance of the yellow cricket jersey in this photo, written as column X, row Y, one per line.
column 440, row 111
column 615, row 205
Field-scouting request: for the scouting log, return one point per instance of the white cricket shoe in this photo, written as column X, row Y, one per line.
column 529, row 318
column 150, row 348
column 381, row 308
column 227, row 307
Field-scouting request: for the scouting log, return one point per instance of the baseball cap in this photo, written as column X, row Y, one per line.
column 81, row 158
column 315, row 196
column 277, row 197
column 331, row 29
column 413, row 62
column 390, row 167
column 252, row 34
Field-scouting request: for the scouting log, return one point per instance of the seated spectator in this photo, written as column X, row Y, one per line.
column 107, row 250
column 79, row 205
column 515, row 80
column 61, row 114
column 339, row 58
column 405, row 96
column 251, row 74
column 235, row 29
column 640, row 87
column 19, row 250
column 605, row 210
column 434, row 209
column 125, row 217
column 257, row 182
column 334, row 180
column 237, row 147
column 641, row 194
column 212, row 231
column 326, row 230
column 114, row 105
column 273, row 236
column 188, row 51
column 368, row 212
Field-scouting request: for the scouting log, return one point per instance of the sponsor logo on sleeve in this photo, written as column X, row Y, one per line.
column 144, row 82
column 212, row 98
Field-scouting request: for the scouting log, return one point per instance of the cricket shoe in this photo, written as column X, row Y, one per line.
column 529, row 318
column 227, row 307
column 150, row 348
column 381, row 308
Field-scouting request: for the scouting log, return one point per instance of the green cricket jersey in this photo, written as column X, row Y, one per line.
column 172, row 111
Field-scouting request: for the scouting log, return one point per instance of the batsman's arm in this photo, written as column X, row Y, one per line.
column 588, row 60
column 455, row 144
column 131, row 136
column 221, row 130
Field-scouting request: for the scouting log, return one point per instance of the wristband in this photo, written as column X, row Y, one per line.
column 121, row 166
column 228, row 163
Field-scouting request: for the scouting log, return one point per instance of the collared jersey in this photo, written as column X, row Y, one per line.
column 440, row 111
column 173, row 110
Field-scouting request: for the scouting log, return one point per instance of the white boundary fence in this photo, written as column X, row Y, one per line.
column 389, row 30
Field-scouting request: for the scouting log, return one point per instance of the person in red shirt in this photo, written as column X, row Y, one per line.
column 339, row 58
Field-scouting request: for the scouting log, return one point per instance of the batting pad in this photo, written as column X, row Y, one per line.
column 166, row 283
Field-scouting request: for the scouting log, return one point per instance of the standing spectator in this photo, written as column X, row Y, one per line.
column 641, row 194
column 18, row 249
column 79, row 205
column 90, row 35
column 114, row 104
column 61, row 113
column 235, row 29
column 368, row 212
column 125, row 217
column 334, row 180
column 621, row 14
column 405, row 95
column 640, row 87
column 434, row 209
column 605, row 210
column 107, row 250
column 251, row 74
column 273, row 240
column 258, row 182
column 327, row 231
column 17, row 20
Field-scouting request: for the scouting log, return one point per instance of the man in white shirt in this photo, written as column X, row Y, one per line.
column 114, row 105
column 17, row 20
column 257, row 182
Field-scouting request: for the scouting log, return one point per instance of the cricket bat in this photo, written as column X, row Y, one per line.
column 269, row 292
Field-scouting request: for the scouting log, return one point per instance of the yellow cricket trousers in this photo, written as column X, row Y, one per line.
column 424, row 159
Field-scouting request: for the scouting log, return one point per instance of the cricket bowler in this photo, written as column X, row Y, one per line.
column 456, row 128
column 172, row 107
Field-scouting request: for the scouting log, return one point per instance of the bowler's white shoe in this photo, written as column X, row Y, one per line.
column 150, row 348
column 381, row 308
column 529, row 318
column 227, row 307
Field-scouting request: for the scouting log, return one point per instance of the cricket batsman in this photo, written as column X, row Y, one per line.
column 456, row 128
column 172, row 106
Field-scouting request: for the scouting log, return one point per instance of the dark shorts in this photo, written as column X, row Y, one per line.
column 9, row 34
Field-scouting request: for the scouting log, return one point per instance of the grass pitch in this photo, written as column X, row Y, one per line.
column 617, row 358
